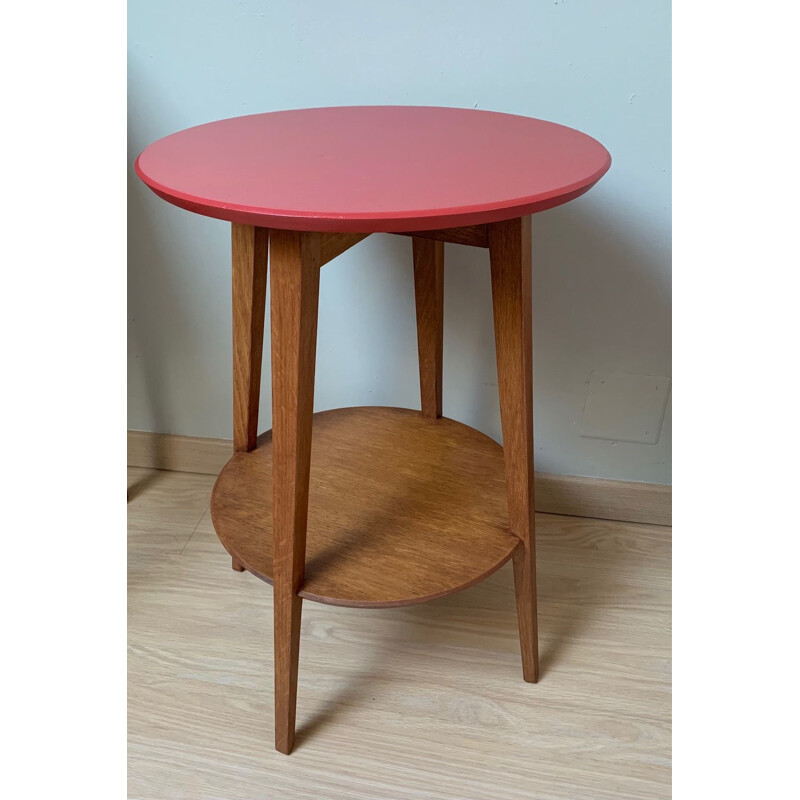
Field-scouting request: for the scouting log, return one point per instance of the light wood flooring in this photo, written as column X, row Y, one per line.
column 425, row 701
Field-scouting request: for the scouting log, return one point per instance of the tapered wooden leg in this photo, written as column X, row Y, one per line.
column 510, row 257
column 249, row 245
column 429, row 294
column 294, row 303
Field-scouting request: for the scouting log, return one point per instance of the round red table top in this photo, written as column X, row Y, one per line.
column 372, row 168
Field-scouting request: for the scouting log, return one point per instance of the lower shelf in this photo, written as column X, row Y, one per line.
column 402, row 509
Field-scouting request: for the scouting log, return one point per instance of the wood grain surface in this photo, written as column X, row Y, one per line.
column 473, row 235
column 249, row 247
column 296, row 259
column 415, row 703
column 429, row 302
column 510, row 260
column 571, row 495
column 401, row 509
column 334, row 244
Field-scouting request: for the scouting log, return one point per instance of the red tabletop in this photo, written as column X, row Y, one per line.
column 372, row 168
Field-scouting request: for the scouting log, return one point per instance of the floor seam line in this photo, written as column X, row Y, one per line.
column 202, row 516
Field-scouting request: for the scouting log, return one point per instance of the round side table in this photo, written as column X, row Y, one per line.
column 381, row 506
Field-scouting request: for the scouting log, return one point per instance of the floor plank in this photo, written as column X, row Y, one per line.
column 419, row 702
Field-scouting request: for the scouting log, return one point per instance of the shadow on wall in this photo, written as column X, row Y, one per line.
column 146, row 362
column 154, row 264
column 596, row 272
column 600, row 302
column 175, row 317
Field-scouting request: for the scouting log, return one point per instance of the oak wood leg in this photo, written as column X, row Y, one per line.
column 249, row 245
column 236, row 565
column 429, row 295
column 294, row 304
column 510, row 257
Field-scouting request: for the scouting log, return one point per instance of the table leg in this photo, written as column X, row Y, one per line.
column 510, row 257
column 429, row 294
column 249, row 245
column 294, row 303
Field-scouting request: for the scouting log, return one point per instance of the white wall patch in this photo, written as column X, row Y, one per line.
column 625, row 408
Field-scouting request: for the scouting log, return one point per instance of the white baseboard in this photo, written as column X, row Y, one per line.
column 626, row 501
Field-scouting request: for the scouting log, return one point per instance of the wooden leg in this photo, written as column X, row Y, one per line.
column 294, row 302
column 429, row 293
column 510, row 257
column 236, row 565
column 249, row 246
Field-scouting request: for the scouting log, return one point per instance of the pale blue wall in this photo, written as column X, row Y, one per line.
column 601, row 264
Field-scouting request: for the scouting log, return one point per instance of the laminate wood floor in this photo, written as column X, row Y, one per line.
column 425, row 701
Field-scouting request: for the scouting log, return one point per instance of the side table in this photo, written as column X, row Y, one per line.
column 381, row 506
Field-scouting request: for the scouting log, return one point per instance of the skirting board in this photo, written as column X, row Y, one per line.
column 575, row 496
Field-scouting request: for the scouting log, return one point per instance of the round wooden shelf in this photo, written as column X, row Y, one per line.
column 402, row 509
